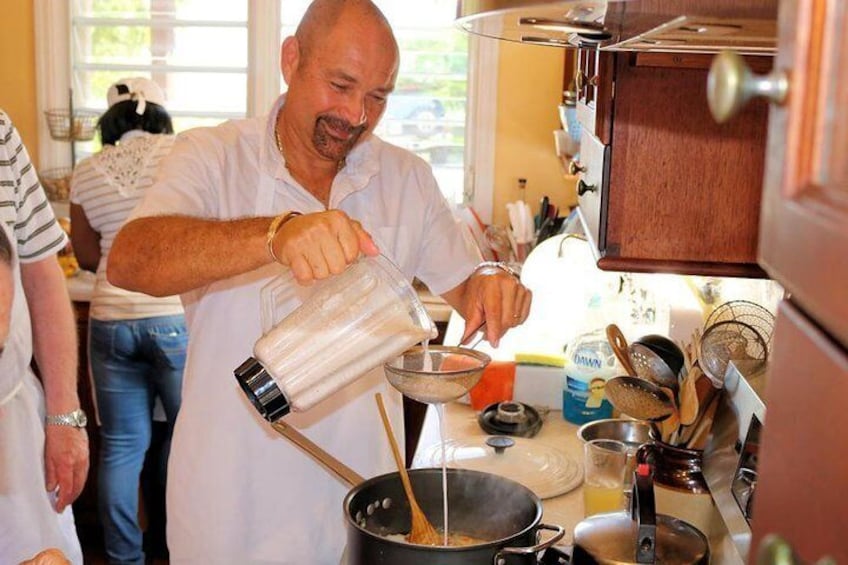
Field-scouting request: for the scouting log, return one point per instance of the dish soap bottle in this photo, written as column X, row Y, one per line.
column 589, row 362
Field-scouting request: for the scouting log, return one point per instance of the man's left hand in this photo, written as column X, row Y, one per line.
column 497, row 298
column 65, row 462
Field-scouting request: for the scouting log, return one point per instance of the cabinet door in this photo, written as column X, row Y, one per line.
column 804, row 221
column 802, row 491
column 684, row 192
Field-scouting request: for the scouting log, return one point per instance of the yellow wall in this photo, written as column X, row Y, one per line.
column 529, row 93
column 17, row 71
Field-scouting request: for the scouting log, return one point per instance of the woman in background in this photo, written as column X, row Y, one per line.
column 136, row 342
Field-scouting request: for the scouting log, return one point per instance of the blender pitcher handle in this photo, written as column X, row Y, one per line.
column 499, row 558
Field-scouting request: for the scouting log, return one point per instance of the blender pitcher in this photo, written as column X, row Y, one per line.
column 346, row 325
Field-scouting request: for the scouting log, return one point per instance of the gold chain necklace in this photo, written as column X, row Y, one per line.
column 277, row 137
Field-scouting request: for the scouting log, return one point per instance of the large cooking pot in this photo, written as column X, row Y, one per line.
column 482, row 505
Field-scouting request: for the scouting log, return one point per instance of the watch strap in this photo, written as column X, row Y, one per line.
column 75, row 419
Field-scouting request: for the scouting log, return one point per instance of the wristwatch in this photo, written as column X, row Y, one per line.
column 75, row 419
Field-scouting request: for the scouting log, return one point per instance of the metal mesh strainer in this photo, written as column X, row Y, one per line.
column 728, row 341
column 437, row 374
column 747, row 312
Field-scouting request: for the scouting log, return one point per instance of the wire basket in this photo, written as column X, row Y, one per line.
column 56, row 183
column 728, row 341
column 62, row 128
column 747, row 312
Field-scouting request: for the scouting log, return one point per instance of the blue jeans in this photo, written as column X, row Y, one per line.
column 132, row 362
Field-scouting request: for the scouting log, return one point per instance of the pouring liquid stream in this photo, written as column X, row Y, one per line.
column 440, row 412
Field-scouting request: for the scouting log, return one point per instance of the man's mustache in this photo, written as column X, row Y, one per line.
column 342, row 125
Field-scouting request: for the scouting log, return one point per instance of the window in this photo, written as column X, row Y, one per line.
column 215, row 62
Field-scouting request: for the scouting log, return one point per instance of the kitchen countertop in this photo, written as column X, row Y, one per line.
column 80, row 286
column 567, row 509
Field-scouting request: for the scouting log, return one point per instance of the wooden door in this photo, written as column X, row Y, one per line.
column 802, row 493
column 802, row 489
column 804, row 220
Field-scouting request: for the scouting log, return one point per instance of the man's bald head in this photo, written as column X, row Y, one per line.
column 323, row 16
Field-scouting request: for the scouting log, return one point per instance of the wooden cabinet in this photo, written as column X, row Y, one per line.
column 671, row 190
column 802, row 493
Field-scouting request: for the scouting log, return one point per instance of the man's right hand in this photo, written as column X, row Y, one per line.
column 318, row 245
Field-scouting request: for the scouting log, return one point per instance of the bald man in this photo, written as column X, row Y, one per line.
column 308, row 188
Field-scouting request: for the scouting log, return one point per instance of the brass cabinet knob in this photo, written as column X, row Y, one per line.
column 580, row 80
column 731, row 84
column 575, row 168
column 774, row 550
column 583, row 188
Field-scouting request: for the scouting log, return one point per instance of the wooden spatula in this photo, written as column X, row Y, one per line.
column 619, row 345
column 422, row 531
column 689, row 404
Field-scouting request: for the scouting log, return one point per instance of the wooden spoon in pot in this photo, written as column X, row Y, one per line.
column 422, row 531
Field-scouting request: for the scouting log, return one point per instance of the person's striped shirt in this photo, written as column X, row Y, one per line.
column 107, row 186
column 24, row 208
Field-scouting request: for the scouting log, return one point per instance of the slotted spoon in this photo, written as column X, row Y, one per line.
column 651, row 367
column 639, row 398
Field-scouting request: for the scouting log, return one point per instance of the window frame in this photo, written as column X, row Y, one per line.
column 53, row 76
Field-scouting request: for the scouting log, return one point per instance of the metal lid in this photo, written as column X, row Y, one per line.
column 612, row 539
column 261, row 390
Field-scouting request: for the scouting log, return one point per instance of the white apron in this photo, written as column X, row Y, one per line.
column 237, row 491
column 28, row 522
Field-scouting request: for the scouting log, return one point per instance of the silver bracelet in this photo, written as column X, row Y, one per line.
column 498, row 265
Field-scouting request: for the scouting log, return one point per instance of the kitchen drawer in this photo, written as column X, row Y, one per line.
column 594, row 83
column 592, row 189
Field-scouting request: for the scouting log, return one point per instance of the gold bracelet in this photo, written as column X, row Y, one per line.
column 276, row 225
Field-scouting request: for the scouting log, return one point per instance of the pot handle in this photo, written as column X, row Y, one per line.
column 645, row 454
column 498, row 559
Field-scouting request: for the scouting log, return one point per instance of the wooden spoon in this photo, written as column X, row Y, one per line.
column 619, row 345
column 689, row 404
column 422, row 531
column 698, row 439
column 670, row 425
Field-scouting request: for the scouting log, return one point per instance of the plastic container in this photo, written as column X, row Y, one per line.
column 345, row 326
column 589, row 362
